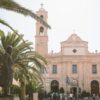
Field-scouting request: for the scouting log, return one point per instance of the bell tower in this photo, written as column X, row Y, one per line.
column 41, row 37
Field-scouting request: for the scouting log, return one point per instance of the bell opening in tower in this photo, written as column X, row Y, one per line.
column 41, row 30
column 41, row 16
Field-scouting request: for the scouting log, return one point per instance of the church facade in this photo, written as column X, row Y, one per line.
column 73, row 67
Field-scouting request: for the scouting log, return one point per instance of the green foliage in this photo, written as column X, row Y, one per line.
column 26, row 63
column 34, row 86
column 11, row 5
column 15, row 90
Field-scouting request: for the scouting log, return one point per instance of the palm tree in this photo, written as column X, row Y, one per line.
column 15, row 7
column 6, row 59
column 21, row 57
column 25, row 75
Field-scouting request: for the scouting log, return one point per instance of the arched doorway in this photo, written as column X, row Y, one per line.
column 94, row 87
column 54, row 86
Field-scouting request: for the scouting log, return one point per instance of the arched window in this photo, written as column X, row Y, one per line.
column 41, row 16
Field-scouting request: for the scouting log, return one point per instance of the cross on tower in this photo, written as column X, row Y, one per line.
column 74, row 31
column 42, row 5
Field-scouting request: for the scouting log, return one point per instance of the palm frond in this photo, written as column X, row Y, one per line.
column 13, row 6
column 27, row 63
column 6, row 24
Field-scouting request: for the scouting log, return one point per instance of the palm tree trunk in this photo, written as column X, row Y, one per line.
column 23, row 90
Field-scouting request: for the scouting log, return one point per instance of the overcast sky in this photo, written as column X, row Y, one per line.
column 64, row 16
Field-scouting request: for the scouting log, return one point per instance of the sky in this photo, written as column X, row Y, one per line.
column 64, row 17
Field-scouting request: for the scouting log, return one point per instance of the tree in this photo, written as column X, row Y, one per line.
column 11, row 5
column 15, row 89
column 25, row 63
column 26, row 75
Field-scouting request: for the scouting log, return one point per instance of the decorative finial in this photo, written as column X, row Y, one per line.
column 42, row 5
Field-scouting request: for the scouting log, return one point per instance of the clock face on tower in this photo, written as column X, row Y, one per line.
column 74, row 50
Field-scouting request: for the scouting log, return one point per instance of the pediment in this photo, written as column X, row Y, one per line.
column 74, row 38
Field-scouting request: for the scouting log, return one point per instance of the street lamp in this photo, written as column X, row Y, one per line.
column 72, row 82
column 75, row 83
column 67, row 80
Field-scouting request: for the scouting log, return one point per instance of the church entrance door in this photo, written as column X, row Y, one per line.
column 54, row 86
column 94, row 87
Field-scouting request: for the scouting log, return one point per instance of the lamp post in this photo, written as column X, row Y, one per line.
column 71, row 81
column 75, row 83
column 67, row 83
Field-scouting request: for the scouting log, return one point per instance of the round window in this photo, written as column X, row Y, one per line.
column 74, row 50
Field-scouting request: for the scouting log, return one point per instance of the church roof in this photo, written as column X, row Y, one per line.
column 74, row 38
